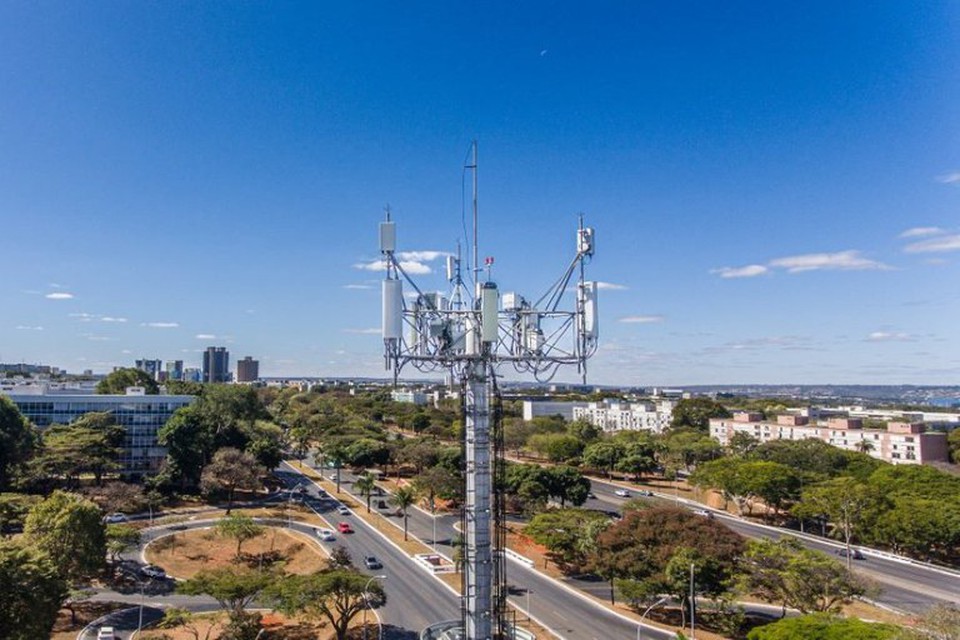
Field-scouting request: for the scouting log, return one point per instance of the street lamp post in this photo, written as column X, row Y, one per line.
column 366, row 602
column 655, row 604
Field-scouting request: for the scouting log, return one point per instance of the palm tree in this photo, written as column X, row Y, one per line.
column 403, row 498
column 865, row 446
column 365, row 484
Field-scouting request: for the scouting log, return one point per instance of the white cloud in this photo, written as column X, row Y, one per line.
column 364, row 331
column 843, row 261
column 609, row 286
column 935, row 245
column 921, row 232
column 886, row 336
column 23, row 327
column 59, row 295
column 99, row 338
column 641, row 319
column 160, row 325
column 357, row 286
column 82, row 317
column 412, row 267
column 112, row 319
column 126, row 351
column 205, row 336
column 749, row 271
column 420, row 256
column 949, row 178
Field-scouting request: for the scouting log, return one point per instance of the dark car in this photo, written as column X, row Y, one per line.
column 854, row 553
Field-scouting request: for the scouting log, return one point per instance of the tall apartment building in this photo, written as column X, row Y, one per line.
column 140, row 415
column 151, row 367
column 248, row 370
column 174, row 369
column 899, row 443
column 216, row 364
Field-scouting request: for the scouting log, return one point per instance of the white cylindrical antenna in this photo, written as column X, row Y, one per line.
column 585, row 241
column 588, row 300
column 451, row 268
column 471, row 342
column 388, row 236
column 489, row 307
column 392, row 309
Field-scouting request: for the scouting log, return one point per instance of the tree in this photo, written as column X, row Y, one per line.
column 563, row 531
column 641, row 546
column 746, row 480
column 365, row 484
column 438, row 482
column 18, row 441
column 119, row 496
column 567, row 484
column 953, row 442
column 584, row 430
column 14, row 508
column 848, row 504
column 742, row 444
column 820, row 626
column 175, row 617
column 121, row 537
column 339, row 558
column 117, row 382
column 234, row 588
column 556, row 447
column 604, row 455
column 809, row 581
column 189, row 443
column 240, row 528
column 230, row 470
column 266, row 444
column 696, row 413
column 336, row 596
column 32, row 592
column 403, row 498
column 940, row 622
column 69, row 529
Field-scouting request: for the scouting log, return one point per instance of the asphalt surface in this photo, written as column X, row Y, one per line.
column 905, row 586
column 415, row 598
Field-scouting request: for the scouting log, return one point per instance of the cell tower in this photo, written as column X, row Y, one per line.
column 469, row 334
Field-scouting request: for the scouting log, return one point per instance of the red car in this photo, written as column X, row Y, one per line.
column 344, row 527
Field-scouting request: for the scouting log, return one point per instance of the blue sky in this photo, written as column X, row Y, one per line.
column 775, row 187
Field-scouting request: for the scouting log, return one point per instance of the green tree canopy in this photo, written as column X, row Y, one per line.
column 69, row 529
column 335, row 596
column 562, row 531
column 234, row 588
column 820, row 626
column 240, row 528
column 118, row 381
column 31, row 593
column 695, row 413
column 18, row 441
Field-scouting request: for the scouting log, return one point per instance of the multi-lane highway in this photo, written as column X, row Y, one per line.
column 905, row 586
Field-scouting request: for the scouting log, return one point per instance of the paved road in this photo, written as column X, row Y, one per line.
column 569, row 614
column 905, row 586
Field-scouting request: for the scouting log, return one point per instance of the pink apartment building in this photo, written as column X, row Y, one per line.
column 899, row 443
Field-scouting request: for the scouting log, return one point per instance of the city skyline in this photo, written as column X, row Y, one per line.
column 774, row 189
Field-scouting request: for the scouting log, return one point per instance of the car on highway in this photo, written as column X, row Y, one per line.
column 646, row 493
column 153, row 571
column 342, row 510
column 325, row 534
column 344, row 527
column 591, row 496
column 115, row 518
column 703, row 513
column 371, row 562
column 106, row 633
column 623, row 493
column 856, row 554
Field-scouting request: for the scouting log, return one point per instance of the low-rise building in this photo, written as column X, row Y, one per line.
column 899, row 443
column 621, row 416
column 139, row 414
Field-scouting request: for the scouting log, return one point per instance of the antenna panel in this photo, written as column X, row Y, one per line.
column 489, row 327
column 585, row 241
column 388, row 236
column 392, row 309
column 588, row 301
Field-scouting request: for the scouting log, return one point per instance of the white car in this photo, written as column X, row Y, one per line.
column 342, row 510
column 153, row 571
column 703, row 513
column 623, row 493
column 115, row 518
column 325, row 534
